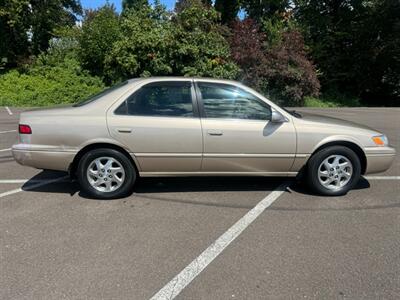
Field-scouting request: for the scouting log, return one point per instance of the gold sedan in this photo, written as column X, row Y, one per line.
column 178, row 126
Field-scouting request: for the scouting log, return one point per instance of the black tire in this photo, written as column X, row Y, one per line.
column 317, row 159
column 130, row 174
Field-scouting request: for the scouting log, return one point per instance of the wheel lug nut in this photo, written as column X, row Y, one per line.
column 105, row 179
column 110, row 176
column 102, row 170
column 108, row 171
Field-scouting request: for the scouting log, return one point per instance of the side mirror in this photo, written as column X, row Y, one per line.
column 277, row 117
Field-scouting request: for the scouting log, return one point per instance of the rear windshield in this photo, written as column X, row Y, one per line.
column 99, row 95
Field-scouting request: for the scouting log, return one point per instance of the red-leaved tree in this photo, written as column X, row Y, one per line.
column 282, row 70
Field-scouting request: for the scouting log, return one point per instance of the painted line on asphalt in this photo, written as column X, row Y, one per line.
column 8, row 110
column 8, row 131
column 180, row 281
column 17, row 180
column 22, row 180
column 33, row 186
column 4, row 150
column 382, row 177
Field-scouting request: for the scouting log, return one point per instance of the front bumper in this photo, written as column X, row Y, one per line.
column 43, row 159
column 379, row 159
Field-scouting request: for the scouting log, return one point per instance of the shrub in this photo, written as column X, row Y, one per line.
column 247, row 47
column 279, row 67
column 44, row 85
column 289, row 74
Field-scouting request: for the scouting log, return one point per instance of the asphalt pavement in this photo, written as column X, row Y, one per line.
column 200, row 238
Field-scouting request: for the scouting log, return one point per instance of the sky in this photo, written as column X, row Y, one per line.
column 97, row 3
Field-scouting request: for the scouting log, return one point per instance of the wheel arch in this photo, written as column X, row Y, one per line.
column 73, row 166
column 351, row 145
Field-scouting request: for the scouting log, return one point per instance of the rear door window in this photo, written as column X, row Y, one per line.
column 160, row 99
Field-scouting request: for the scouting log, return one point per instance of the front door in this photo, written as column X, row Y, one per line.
column 238, row 134
column 160, row 126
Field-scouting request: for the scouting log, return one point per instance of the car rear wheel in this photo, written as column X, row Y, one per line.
column 106, row 174
column 333, row 171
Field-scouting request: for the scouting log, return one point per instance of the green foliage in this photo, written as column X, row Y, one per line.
column 356, row 45
column 261, row 9
column 199, row 48
column 153, row 44
column 351, row 46
column 100, row 30
column 228, row 10
column 40, row 18
column 134, row 4
column 329, row 101
column 13, row 27
column 54, row 79
column 143, row 48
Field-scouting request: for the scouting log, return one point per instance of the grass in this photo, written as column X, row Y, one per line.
column 331, row 101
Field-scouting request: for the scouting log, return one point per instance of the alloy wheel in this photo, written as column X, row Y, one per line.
column 105, row 174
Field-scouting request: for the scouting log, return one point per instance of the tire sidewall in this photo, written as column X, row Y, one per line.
column 130, row 174
column 319, row 157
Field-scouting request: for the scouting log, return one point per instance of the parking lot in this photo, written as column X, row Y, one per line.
column 200, row 238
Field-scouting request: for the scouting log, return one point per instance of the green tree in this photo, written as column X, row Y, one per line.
column 100, row 30
column 46, row 16
column 228, row 9
column 143, row 48
column 356, row 45
column 199, row 48
column 259, row 9
column 154, row 43
column 14, row 25
column 134, row 4
column 28, row 25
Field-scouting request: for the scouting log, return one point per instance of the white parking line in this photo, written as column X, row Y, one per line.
column 33, row 186
column 8, row 110
column 7, row 131
column 22, row 180
column 16, row 180
column 4, row 150
column 382, row 177
column 180, row 281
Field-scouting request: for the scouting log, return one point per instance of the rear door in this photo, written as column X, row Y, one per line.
column 238, row 134
column 159, row 123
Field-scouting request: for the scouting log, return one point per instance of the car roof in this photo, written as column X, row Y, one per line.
column 176, row 78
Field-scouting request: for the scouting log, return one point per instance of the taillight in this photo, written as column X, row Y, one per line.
column 25, row 129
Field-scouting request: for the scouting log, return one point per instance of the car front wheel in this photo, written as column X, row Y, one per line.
column 333, row 171
column 106, row 174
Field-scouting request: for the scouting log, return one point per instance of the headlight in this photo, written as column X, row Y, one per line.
column 380, row 140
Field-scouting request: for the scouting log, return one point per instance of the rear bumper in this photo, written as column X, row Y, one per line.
column 43, row 159
column 379, row 159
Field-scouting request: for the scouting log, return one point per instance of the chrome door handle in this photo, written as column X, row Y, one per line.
column 214, row 132
column 124, row 130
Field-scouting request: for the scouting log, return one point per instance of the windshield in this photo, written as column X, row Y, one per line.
column 99, row 95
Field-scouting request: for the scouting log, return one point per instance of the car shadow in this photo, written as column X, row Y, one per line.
column 302, row 188
column 176, row 184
